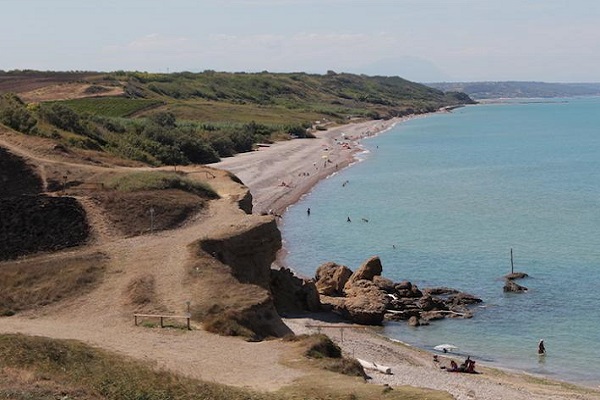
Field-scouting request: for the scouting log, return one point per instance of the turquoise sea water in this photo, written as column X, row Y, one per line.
column 454, row 193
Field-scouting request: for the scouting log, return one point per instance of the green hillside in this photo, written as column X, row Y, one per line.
column 184, row 118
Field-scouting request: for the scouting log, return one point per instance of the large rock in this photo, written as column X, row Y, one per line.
column 370, row 268
column 331, row 278
column 365, row 303
column 428, row 303
column 461, row 298
column 407, row 289
column 384, row 284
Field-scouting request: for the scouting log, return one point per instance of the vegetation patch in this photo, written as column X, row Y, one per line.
column 327, row 354
column 110, row 106
column 205, row 116
column 160, row 180
column 84, row 372
column 31, row 284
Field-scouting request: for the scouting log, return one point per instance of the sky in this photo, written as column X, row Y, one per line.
column 419, row 40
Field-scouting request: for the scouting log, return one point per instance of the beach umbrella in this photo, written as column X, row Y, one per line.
column 445, row 347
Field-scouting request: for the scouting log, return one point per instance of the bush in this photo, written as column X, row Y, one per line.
column 63, row 118
column 14, row 114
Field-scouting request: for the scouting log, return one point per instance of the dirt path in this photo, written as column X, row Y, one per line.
column 101, row 319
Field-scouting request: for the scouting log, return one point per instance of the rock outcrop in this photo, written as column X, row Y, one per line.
column 368, row 298
column 331, row 278
column 293, row 294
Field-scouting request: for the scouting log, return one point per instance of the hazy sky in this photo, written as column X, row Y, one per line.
column 420, row 40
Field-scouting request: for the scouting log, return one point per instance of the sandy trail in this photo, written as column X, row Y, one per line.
column 100, row 318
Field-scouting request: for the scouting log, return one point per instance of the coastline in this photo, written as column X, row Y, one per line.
column 265, row 170
column 278, row 175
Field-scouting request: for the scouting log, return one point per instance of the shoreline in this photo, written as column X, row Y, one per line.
column 265, row 170
column 278, row 175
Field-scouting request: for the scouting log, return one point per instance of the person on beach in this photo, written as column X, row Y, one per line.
column 541, row 347
column 308, row 211
column 453, row 366
column 348, row 220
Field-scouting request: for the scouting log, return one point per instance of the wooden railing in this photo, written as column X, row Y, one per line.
column 162, row 317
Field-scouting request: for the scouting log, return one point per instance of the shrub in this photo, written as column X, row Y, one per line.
column 14, row 114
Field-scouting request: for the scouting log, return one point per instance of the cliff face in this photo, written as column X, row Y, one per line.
column 249, row 252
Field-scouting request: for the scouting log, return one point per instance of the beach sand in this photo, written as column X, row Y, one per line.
column 277, row 176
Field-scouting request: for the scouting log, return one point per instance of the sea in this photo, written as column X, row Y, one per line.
column 447, row 196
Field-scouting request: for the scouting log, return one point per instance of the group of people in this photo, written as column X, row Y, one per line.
column 468, row 366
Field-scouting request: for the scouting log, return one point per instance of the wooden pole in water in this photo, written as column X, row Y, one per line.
column 512, row 265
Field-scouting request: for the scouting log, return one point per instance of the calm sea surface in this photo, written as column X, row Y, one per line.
column 454, row 193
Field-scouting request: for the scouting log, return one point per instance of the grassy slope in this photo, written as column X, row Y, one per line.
column 292, row 94
column 42, row 368
column 217, row 114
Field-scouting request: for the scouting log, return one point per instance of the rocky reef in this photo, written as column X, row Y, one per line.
column 366, row 297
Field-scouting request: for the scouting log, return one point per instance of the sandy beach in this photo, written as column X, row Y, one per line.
column 278, row 175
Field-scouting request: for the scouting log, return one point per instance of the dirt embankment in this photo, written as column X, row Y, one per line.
column 31, row 221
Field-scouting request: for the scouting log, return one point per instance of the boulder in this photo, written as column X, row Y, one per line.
column 516, row 275
column 407, row 289
column 364, row 310
column 414, row 321
column 433, row 315
column 365, row 303
column 513, row 287
column 462, row 298
column 428, row 303
column 440, row 291
column 331, row 278
column 384, row 284
column 370, row 268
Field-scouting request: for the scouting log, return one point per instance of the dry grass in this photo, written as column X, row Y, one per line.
column 141, row 290
column 70, row 369
column 34, row 283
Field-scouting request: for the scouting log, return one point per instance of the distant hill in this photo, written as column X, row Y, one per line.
column 498, row 90
column 183, row 118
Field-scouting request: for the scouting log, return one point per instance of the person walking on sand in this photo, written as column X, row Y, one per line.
column 541, row 347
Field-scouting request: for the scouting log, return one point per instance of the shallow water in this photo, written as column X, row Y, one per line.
column 447, row 197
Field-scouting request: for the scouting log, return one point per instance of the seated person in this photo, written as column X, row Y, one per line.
column 453, row 366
